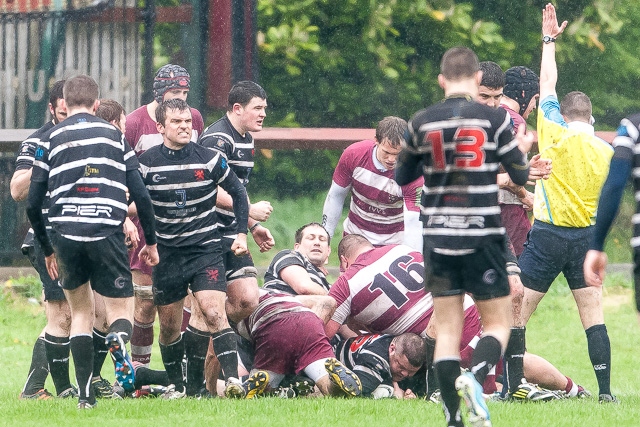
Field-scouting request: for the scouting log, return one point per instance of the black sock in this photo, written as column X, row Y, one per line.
column 446, row 371
column 172, row 358
column 225, row 347
column 58, row 357
column 122, row 327
column 600, row 356
column 100, row 351
column 39, row 368
column 485, row 356
column 146, row 376
column 514, row 358
column 82, row 351
column 196, row 344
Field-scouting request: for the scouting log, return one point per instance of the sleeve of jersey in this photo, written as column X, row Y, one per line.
column 551, row 125
column 231, row 184
column 285, row 259
column 40, row 166
column 198, row 121
column 130, row 159
column 344, row 170
column 613, row 188
column 27, row 153
column 340, row 292
column 332, row 209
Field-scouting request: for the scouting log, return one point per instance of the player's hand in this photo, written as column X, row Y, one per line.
column 131, row 237
column 408, row 394
column 239, row 245
column 525, row 140
column 149, row 254
column 539, row 168
column 550, row 25
column 527, row 200
column 263, row 238
column 595, row 263
column 260, row 211
column 52, row 266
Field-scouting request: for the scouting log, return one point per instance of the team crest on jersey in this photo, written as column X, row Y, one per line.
column 199, row 175
column 39, row 153
column 182, row 198
column 220, row 143
column 212, row 274
column 120, row 282
column 25, row 149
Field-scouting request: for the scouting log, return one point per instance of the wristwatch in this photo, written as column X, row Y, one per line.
column 548, row 39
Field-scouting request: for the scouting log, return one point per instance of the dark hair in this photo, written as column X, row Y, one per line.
column 55, row 93
column 170, row 104
column 413, row 346
column 350, row 243
column 459, row 63
column 576, row 106
column 300, row 231
column 110, row 110
column 492, row 75
column 170, row 77
column 243, row 92
column 391, row 128
column 80, row 91
column 521, row 84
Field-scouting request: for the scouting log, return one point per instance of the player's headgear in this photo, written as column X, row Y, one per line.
column 521, row 84
column 169, row 77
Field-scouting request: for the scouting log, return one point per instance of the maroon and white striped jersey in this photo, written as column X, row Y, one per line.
column 377, row 201
column 384, row 291
column 270, row 304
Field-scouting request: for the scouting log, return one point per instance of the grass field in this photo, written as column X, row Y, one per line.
column 554, row 333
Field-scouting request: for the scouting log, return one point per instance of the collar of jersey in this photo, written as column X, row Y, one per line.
column 176, row 154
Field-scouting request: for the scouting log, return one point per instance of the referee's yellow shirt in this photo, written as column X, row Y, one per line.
column 580, row 164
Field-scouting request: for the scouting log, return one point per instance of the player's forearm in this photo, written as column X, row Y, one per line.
column 610, row 197
column 19, row 185
column 37, row 194
column 332, row 210
column 548, row 70
column 240, row 201
column 140, row 196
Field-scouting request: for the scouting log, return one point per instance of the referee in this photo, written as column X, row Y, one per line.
column 87, row 167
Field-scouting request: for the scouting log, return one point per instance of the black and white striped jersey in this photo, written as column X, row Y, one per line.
column 239, row 150
column 284, row 259
column 461, row 144
column 85, row 161
column 183, row 186
column 24, row 161
column 368, row 357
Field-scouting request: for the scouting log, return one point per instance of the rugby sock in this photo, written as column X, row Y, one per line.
column 172, row 358
column 485, row 357
column 82, row 351
column 141, row 342
column 572, row 388
column 186, row 315
column 100, row 351
column 122, row 327
column 146, row 376
column 600, row 356
column 58, row 357
column 196, row 344
column 225, row 347
column 38, row 370
column 514, row 358
column 446, row 371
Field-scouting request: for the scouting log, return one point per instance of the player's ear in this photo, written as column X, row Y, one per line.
column 441, row 81
column 96, row 104
column 160, row 127
column 237, row 108
column 479, row 77
column 296, row 246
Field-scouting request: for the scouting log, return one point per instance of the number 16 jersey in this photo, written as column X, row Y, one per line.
column 384, row 291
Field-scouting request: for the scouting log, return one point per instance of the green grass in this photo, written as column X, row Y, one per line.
column 553, row 332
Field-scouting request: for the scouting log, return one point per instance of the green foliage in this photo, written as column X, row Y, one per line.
column 28, row 286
